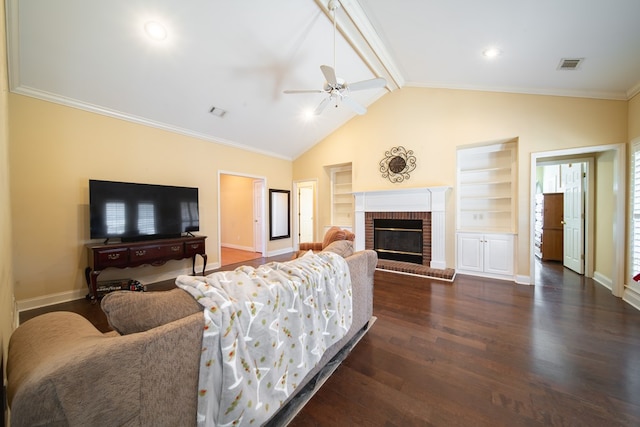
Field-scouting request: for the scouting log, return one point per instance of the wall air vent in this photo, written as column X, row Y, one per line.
column 570, row 63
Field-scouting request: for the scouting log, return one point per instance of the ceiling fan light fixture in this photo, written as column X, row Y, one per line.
column 155, row 30
column 491, row 52
column 308, row 115
column 337, row 90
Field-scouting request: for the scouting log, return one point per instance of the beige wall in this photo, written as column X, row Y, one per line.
column 632, row 292
column 6, row 275
column 634, row 117
column 604, row 201
column 54, row 151
column 433, row 122
column 236, row 212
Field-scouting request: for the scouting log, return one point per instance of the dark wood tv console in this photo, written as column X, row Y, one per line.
column 135, row 254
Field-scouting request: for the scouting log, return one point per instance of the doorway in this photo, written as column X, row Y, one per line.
column 564, row 214
column 304, row 229
column 241, row 208
column 614, row 228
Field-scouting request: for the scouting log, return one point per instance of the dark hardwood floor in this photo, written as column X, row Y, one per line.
column 481, row 352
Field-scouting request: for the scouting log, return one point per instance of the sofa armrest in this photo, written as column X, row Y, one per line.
column 131, row 312
column 63, row 371
column 362, row 267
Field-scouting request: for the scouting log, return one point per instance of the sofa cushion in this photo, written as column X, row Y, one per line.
column 344, row 248
column 130, row 312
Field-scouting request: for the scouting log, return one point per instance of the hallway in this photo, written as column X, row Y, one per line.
column 554, row 274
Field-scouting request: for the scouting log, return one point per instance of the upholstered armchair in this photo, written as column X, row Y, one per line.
column 333, row 234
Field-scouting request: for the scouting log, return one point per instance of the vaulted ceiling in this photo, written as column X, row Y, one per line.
column 238, row 56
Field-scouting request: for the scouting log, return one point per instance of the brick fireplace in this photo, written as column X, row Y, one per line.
column 425, row 204
column 424, row 218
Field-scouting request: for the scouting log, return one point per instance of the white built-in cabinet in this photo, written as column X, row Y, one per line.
column 486, row 209
column 341, row 197
column 489, row 255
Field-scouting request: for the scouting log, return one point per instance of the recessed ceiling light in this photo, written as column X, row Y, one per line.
column 155, row 30
column 491, row 52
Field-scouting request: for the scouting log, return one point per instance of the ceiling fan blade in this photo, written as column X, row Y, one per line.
column 320, row 108
column 329, row 74
column 368, row 84
column 354, row 105
column 304, row 91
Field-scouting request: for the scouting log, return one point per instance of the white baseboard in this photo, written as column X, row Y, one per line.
column 16, row 314
column 238, row 247
column 211, row 266
column 280, row 252
column 58, row 298
column 632, row 297
column 45, row 300
column 523, row 280
column 487, row 275
column 603, row 280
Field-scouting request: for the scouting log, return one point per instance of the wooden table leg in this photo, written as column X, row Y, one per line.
column 91, row 276
column 193, row 263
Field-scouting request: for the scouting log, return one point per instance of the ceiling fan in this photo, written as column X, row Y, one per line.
column 337, row 89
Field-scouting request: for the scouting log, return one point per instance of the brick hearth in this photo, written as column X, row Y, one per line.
column 416, row 269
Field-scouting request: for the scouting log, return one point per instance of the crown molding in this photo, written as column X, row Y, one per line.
column 633, row 91
column 73, row 103
column 615, row 96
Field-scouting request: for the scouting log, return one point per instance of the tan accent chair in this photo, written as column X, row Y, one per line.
column 333, row 234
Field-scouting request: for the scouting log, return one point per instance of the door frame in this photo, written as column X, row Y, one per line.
column 263, row 233
column 619, row 194
column 296, row 204
column 258, row 211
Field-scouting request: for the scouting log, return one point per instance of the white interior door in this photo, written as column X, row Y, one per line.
column 572, row 177
column 305, row 212
column 258, row 209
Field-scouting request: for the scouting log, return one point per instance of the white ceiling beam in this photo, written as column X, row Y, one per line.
column 355, row 27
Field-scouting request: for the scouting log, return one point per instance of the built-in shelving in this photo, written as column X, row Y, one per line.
column 486, row 208
column 341, row 197
column 486, row 188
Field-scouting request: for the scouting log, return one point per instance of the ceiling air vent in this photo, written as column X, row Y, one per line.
column 218, row 112
column 570, row 63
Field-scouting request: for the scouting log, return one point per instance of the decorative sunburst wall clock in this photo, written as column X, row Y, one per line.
column 397, row 164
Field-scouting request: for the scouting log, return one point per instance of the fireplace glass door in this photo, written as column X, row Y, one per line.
column 398, row 239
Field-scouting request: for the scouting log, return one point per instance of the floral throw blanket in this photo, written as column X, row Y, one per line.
column 265, row 328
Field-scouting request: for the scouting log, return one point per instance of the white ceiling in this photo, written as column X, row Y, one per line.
column 239, row 55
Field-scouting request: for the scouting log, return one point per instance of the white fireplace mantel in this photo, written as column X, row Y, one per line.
column 426, row 199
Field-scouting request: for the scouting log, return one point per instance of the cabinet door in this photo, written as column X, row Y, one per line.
column 470, row 249
column 553, row 211
column 498, row 254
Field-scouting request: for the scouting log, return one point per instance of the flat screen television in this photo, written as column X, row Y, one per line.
column 131, row 211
